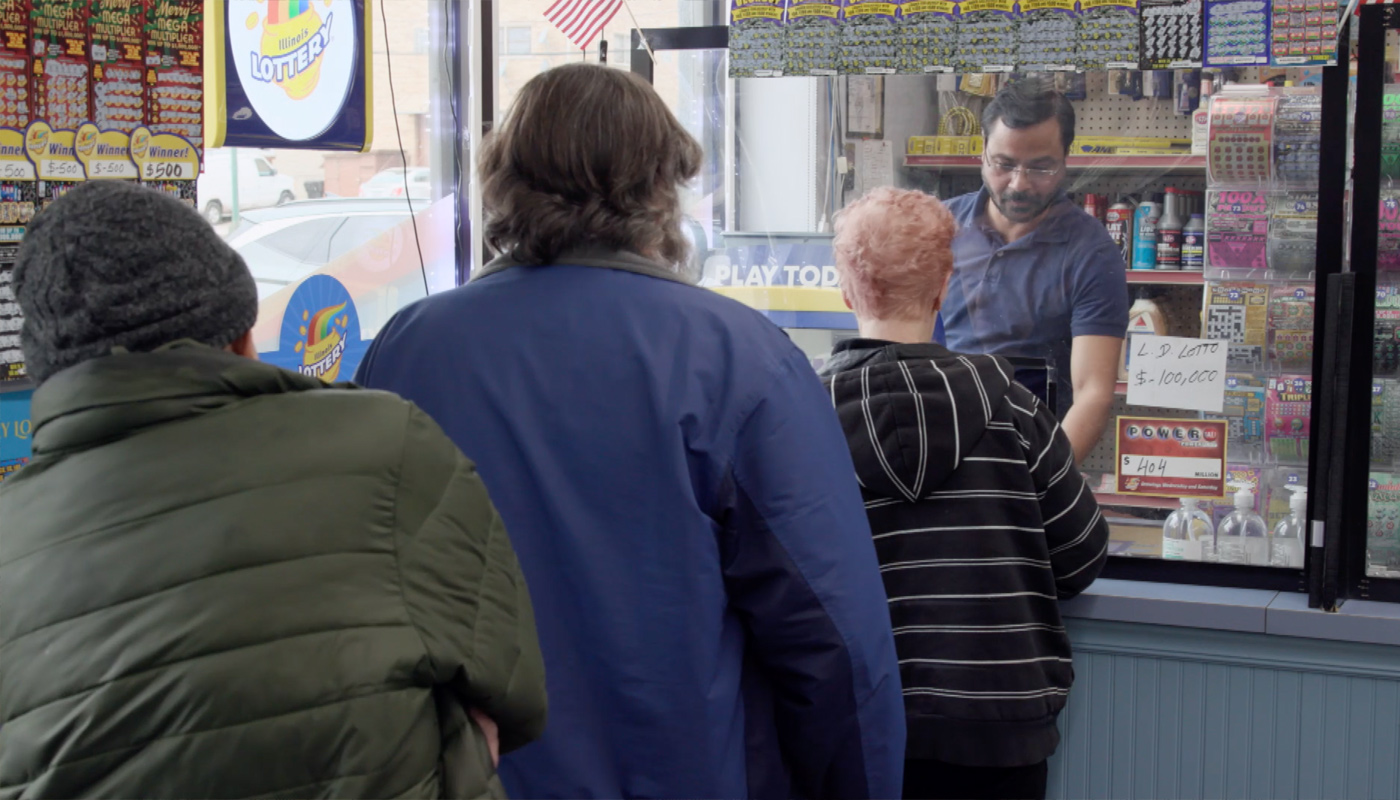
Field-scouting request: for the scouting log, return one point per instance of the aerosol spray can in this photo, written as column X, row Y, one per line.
column 1145, row 219
column 1119, row 222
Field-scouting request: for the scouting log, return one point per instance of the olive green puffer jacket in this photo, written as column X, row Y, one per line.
column 220, row 579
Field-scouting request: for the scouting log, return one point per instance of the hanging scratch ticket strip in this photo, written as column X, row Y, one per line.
column 1171, row 34
column 757, row 38
column 16, row 95
column 1238, row 313
column 929, row 36
column 174, row 68
column 1240, row 148
column 1237, row 32
column 1048, row 35
column 988, row 36
column 870, row 37
column 1304, row 32
column 813, row 37
column 117, row 28
column 60, row 64
column 1108, row 34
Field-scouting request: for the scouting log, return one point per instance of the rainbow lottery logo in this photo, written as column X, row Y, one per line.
column 295, row 60
column 320, row 332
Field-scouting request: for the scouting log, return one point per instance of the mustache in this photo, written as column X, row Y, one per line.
column 1020, row 197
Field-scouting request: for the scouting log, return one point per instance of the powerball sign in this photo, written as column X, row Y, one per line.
column 1171, row 457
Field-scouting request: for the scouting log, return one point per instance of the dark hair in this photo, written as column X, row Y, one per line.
column 1027, row 102
column 588, row 156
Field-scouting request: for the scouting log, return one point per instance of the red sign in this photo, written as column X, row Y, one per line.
column 1171, row 457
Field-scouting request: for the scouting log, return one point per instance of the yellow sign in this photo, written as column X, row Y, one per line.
column 164, row 156
column 105, row 155
column 52, row 153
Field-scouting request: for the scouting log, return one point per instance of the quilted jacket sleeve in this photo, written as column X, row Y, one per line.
column 463, row 587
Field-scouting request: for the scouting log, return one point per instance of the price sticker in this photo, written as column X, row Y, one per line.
column 167, row 171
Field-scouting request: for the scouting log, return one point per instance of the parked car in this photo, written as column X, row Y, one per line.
column 285, row 244
column 260, row 185
column 390, row 183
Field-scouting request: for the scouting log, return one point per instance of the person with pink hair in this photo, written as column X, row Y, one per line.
column 982, row 522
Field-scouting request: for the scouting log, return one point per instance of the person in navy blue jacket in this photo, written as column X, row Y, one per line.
column 673, row 476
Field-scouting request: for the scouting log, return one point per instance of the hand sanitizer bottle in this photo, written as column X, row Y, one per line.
column 1186, row 532
column 1286, row 547
column 1242, row 537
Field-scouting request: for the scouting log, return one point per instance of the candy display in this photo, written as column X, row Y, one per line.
column 1236, row 32
column 1171, row 34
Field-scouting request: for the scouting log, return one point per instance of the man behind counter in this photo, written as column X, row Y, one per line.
column 1033, row 275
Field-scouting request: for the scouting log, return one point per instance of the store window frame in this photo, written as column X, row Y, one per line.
column 1371, row 24
column 1320, row 578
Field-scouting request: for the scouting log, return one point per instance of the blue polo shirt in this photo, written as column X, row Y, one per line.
column 1031, row 297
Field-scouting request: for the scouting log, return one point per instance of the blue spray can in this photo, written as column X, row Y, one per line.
column 1149, row 212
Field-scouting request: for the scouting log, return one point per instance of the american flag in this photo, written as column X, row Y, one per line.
column 582, row 20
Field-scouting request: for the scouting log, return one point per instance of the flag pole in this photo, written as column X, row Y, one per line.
column 628, row 5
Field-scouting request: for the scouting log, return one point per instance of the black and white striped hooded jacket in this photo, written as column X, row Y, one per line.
column 982, row 523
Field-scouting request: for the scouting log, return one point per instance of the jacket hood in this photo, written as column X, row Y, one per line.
column 106, row 398
column 912, row 412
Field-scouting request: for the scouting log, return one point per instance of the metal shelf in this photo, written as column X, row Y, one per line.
column 1166, row 277
column 1135, row 501
column 1162, row 164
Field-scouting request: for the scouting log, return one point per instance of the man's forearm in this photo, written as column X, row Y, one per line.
column 1086, row 420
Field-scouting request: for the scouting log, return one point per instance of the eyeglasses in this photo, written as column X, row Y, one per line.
column 1008, row 168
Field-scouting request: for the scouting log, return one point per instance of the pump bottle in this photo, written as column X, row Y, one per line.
column 1242, row 537
column 1286, row 544
column 1186, row 531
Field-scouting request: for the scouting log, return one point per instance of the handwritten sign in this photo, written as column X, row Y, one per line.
column 1173, row 372
column 1171, row 457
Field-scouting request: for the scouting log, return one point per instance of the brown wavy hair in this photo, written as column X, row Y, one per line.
column 587, row 156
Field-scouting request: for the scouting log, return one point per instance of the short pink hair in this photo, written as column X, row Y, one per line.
column 894, row 253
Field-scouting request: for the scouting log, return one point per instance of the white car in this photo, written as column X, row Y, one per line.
column 260, row 185
column 391, row 183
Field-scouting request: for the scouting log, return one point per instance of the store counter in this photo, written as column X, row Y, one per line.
column 1205, row 692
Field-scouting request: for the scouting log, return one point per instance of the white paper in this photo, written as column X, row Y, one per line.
column 865, row 104
column 874, row 165
column 1176, row 372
